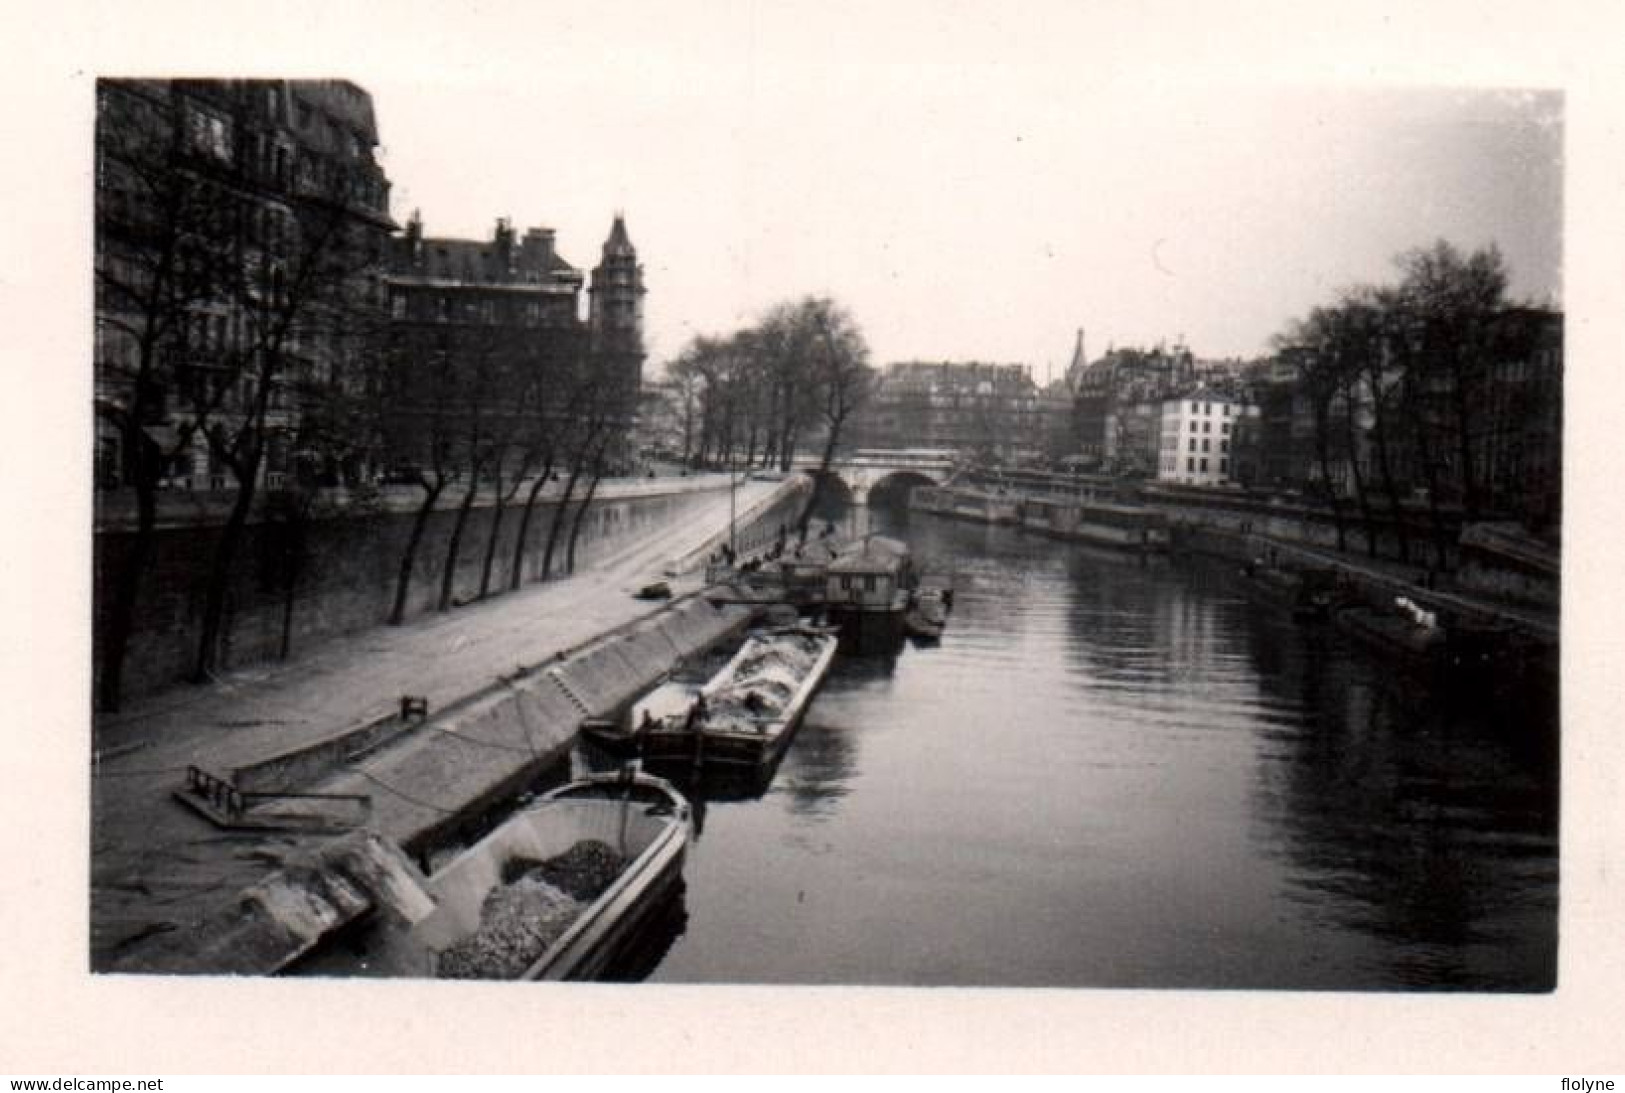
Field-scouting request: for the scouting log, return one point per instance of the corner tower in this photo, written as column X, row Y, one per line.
column 615, row 306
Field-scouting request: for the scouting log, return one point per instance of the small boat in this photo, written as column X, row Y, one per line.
column 1310, row 594
column 1451, row 649
column 927, row 614
column 938, row 585
column 556, row 891
column 746, row 714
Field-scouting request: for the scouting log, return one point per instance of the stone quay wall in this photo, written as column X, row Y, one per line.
column 334, row 571
column 1296, row 522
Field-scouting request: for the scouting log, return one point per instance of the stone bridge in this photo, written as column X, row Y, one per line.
column 868, row 469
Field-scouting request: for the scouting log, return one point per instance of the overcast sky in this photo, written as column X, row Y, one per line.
column 967, row 203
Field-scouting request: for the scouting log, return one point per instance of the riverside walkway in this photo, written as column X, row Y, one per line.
column 156, row 865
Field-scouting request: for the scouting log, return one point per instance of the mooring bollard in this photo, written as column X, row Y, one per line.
column 414, row 706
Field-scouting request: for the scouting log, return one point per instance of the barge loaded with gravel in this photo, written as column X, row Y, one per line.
column 557, row 891
column 745, row 715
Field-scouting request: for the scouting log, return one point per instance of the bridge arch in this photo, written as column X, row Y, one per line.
column 835, row 496
column 871, row 468
column 897, row 483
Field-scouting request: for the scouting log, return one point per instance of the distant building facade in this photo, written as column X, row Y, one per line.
column 991, row 412
column 240, row 227
column 491, row 331
column 1196, row 436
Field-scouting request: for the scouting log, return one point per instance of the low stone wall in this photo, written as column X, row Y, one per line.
column 335, row 573
column 755, row 529
column 1242, row 513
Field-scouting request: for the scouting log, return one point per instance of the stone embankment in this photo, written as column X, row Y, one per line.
column 303, row 577
column 430, row 780
column 434, row 781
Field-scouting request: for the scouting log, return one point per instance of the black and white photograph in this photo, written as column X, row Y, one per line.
column 935, row 499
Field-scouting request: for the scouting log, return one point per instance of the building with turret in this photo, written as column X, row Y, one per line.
column 615, row 328
column 488, row 342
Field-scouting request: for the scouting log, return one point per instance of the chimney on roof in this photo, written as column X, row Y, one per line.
column 414, row 237
column 504, row 244
column 537, row 249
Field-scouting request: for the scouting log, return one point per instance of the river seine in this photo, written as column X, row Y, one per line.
column 1116, row 774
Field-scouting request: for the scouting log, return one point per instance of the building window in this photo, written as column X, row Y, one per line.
column 1224, row 466
column 1190, row 465
column 397, row 305
column 1226, row 412
column 1204, row 466
column 1193, row 443
column 1224, row 445
column 209, row 133
column 1205, row 444
column 1207, row 426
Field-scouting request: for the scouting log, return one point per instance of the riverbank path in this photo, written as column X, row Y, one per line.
column 155, row 863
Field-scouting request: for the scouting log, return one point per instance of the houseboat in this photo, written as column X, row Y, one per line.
column 866, row 590
column 985, row 506
column 1096, row 522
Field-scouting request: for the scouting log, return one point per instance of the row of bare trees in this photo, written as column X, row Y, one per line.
column 215, row 315
column 241, row 314
column 505, row 411
column 1401, row 384
column 754, row 397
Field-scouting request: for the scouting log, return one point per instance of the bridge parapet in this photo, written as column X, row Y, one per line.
column 862, row 472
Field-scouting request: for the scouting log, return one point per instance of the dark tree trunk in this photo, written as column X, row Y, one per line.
column 1390, row 488
column 559, row 519
column 536, row 487
column 787, row 451
column 1351, row 440
column 1323, row 453
column 818, row 482
column 127, row 590
column 403, row 579
column 219, row 583
column 448, row 574
column 581, row 515
column 294, row 557
column 1464, row 445
column 495, row 534
column 1441, row 535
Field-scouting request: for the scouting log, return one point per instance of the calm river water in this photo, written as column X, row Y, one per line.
column 1115, row 774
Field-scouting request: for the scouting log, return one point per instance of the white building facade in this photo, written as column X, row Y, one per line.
column 1198, row 430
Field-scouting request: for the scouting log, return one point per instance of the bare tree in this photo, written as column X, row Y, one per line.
column 1450, row 302
column 481, row 367
column 291, row 298
column 841, row 376
column 553, row 397
column 420, row 425
column 166, row 252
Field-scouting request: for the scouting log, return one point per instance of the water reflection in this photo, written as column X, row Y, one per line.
column 1409, row 815
column 817, row 771
column 1116, row 774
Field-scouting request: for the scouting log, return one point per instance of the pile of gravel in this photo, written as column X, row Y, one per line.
column 584, row 871
column 532, row 908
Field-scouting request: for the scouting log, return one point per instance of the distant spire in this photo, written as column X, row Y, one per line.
column 618, row 241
